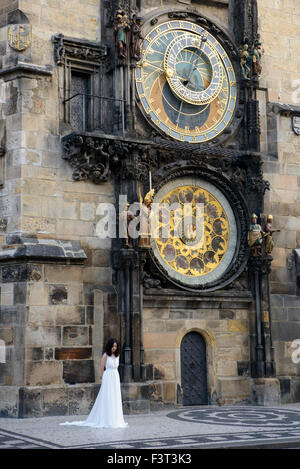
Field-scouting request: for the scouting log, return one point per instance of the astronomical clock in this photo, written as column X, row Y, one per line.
column 186, row 82
column 188, row 92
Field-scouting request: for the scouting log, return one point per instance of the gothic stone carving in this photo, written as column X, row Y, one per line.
column 76, row 49
column 88, row 156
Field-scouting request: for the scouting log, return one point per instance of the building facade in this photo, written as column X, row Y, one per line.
column 104, row 103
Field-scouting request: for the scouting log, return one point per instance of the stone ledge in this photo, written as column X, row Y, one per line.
column 18, row 247
column 76, row 399
column 25, row 70
column 176, row 298
column 287, row 110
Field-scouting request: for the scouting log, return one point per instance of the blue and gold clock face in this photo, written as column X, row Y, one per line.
column 185, row 82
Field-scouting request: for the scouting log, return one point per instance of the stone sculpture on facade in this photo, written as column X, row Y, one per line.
column 261, row 241
column 256, row 58
column 255, row 236
column 145, row 224
column 136, row 38
column 121, row 32
column 269, row 243
column 126, row 217
column 246, row 62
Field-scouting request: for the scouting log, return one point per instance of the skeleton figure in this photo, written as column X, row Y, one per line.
column 246, row 62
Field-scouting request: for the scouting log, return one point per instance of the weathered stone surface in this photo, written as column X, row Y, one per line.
column 55, row 401
column 65, row 314
column 75, row 335
column 295, row 389
column 78, row 371
column 36, row 353
column 43, row 336
column 30, row 402
column 58, row 294
column 43, row 373
column 169, row 392
column 136, row 406
column 234, row 390
column 265, row 392
column 285, row 390
column 9, row 399
column 20, row 291
column 82, row 398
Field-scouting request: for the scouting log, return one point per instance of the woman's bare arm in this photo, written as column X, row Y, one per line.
column 102, row 365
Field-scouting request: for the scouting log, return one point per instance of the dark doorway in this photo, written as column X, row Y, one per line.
column 193, row 369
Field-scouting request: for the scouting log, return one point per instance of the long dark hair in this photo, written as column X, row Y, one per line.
column 110, row 345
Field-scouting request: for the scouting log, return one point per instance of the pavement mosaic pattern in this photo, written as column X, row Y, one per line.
column 186, row 428
column 257, row 417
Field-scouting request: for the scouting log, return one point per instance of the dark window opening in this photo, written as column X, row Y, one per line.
column 80, row 102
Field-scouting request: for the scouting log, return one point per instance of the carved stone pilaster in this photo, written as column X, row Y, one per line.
column 259, row 270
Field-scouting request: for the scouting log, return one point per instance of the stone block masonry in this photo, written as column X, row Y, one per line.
column 48, row 325
column 221, row 319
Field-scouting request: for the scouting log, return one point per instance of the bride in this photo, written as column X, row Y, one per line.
column 107, row 410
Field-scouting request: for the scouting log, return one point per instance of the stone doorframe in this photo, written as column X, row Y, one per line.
column 210, row 359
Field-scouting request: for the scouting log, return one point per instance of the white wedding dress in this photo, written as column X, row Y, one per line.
column 107, row 410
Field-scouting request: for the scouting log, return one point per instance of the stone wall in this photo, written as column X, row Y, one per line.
column 223, row 321
column 279, row 25
column 50, row 323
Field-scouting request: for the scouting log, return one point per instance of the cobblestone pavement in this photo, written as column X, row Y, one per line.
column 183, row 428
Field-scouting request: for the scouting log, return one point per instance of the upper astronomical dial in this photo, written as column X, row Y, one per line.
column 185, row 82
column 193, row 69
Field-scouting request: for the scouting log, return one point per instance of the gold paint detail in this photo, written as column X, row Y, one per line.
column 192, row 239
column 19, row 36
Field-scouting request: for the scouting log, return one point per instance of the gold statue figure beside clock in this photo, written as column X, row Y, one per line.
column 186, row 82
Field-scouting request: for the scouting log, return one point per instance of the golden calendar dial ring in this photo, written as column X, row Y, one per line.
column 194, row 254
